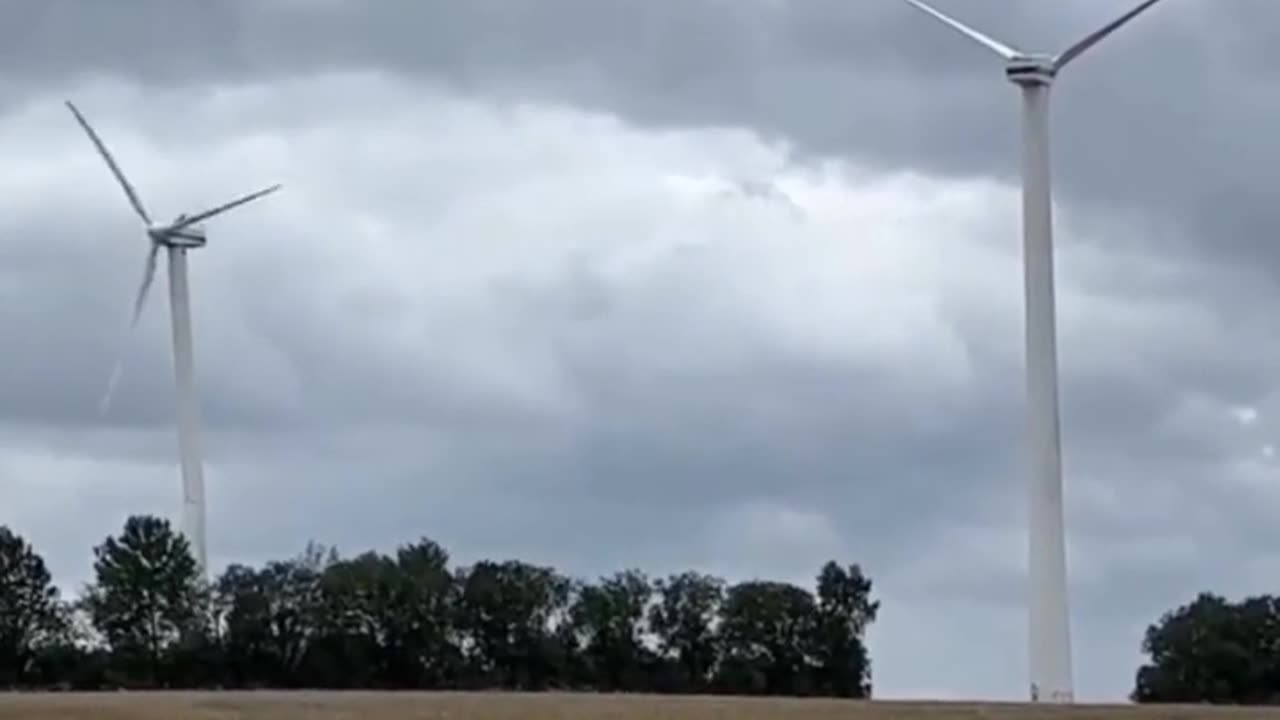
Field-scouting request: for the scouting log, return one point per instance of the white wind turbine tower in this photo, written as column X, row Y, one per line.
column 186, row 232
column 1049, row 638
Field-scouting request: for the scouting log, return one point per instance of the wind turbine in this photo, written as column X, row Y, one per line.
column 1049, row 637
column 186, row 232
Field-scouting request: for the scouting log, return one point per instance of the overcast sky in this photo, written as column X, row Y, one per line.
column 731, row 285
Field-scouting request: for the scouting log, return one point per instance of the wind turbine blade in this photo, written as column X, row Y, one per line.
column 999, row 48
column 148, row 276
column 223, row 208
column 111, row 163
column 1094, row 37
column 104, row 404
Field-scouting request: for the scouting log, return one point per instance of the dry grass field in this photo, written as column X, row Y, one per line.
column 552, row 706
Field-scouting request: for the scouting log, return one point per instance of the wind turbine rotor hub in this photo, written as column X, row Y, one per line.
column 1030, row 70
column 190, row 236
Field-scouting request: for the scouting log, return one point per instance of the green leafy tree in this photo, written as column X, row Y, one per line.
column 609, row 617
column 72, row 657
column 509, row 613
column 30, row 612
column 421, row 615
column 1214, row 651
column 766, row 629
column 394, row 614
column 243, row 602
column 844, row 611
column 348, row 651
column 683, row 619
column 270, row 617
column 147, row 598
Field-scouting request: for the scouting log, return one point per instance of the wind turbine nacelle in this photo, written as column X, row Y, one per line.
column 191, row 236
column 1030, row 70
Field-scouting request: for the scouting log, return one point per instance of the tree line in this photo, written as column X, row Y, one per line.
column 409, row 619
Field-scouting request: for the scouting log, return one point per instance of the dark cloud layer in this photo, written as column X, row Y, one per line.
column 1164, row 117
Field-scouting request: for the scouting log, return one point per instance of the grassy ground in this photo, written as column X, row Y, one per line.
column 501, row 706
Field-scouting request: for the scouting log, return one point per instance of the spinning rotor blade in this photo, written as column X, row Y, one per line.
column 1094, row 37
column 223, row 208
column 993, row 45
column 105, row 403
column 111, row 163
column 148, row 276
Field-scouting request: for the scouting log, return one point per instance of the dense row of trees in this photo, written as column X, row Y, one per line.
column 409, row 620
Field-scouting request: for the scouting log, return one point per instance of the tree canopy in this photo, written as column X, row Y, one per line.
column 410, row 619
column 1212, row 650
column 30, row 612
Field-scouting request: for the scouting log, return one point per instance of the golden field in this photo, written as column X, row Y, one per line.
column 544, row 706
